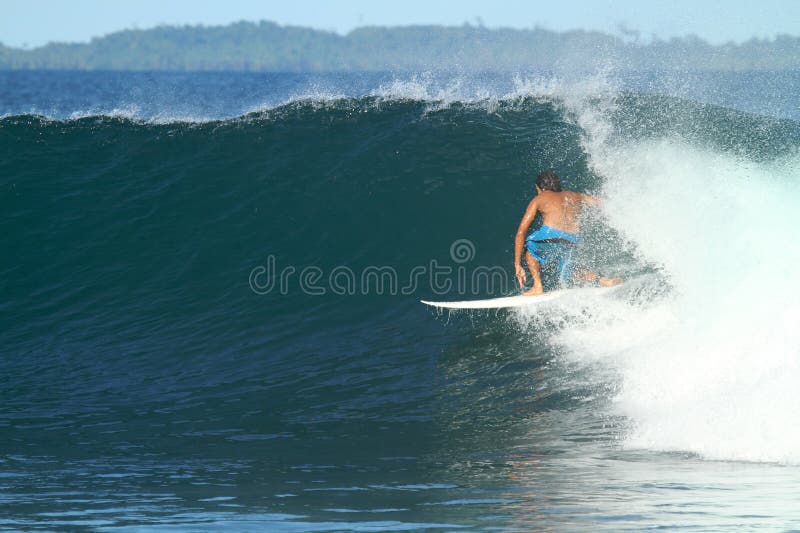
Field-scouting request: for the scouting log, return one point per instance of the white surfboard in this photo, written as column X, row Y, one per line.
column 525, row 301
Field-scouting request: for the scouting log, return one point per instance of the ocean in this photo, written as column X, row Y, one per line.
column 210, row 316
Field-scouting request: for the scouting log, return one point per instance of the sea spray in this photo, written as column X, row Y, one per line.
column 711, row 369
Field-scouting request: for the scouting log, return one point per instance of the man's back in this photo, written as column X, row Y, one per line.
column 561, row 210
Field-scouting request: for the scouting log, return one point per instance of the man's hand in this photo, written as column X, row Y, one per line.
column 521, row 277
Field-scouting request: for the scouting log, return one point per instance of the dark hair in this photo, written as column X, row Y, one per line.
column 549, row 181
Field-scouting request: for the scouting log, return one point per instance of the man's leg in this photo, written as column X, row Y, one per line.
column 609, row 282
column 587, row 276
column 536, row 274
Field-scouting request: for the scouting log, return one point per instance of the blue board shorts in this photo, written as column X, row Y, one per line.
column 548, row 244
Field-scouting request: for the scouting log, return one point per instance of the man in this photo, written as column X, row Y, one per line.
column 557, row 238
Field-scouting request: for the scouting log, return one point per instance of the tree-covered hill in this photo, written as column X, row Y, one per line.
column 267, row 46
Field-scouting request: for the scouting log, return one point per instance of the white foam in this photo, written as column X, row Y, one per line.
column 713, row 369
column 130, row 112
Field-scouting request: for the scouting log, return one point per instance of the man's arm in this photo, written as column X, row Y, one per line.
column 593, row 201
column 519, row 240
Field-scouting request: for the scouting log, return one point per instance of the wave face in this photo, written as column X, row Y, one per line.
column 144, row 348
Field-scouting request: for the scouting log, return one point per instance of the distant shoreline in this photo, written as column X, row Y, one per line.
column 269, row 47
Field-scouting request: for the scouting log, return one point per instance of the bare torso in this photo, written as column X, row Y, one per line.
column 561, row 210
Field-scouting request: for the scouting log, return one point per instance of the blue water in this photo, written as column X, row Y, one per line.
column 151, row 377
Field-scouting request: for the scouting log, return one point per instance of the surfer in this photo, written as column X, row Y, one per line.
column 556, row 239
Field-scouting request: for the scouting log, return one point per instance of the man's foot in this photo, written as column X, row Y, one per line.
column 609, row 282
column 533, row 291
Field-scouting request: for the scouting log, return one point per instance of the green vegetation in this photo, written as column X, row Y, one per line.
column 266, row 46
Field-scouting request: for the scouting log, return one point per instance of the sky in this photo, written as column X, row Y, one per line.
column 36, row 22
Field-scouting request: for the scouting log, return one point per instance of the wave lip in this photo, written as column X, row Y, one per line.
column 204, row 97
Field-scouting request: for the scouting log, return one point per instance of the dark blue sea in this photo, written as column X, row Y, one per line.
column 210, row 315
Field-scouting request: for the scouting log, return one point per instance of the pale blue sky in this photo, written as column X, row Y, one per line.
column 35, row 22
